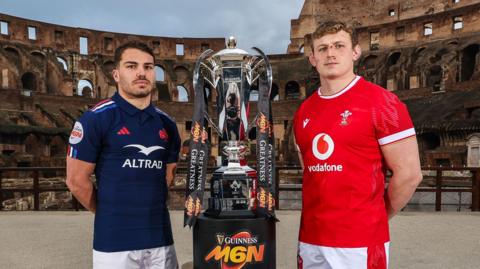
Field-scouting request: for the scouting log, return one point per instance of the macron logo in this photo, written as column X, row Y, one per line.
column 144, row 149
column 305, row 122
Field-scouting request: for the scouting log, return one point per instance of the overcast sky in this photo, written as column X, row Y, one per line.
column 261, row 23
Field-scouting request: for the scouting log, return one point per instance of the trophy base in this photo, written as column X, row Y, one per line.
column 231, row 193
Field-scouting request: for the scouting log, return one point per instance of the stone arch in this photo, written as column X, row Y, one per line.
column 33, row 145
column 469, row 62
column 38, row 55
column 292, row 90
column 13, row 56
column 473, row 152
column 57, row 146
column 274, row 94
column 301, row 49
column 393, row 58
column 429, row 141
column 182, row 75
column 370, row 61
column 29, row 81
column 63, row 62
column 85, row 88
column 183, row 95
column 435, row 77
column 159, row 73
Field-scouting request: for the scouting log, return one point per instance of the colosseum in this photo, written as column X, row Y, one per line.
column 426, row 52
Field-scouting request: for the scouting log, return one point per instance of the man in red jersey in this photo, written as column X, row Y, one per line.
column 347, row 134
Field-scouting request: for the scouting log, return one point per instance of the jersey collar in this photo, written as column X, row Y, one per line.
column 131, row 109
column 348, row 87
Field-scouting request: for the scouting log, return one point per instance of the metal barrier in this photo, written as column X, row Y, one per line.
column 440, row 186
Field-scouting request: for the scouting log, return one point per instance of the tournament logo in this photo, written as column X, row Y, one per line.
column 322, row 146
column 234, row 252
column 190, row 206
column 262, row 198
column 262, row 123
column 163, row 134
column 196, row 132
column 77, row 134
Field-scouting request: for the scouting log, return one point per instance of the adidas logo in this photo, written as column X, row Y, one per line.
column 123, row 131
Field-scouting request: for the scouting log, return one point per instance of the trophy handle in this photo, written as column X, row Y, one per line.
column 269, row 67
column 196, row 71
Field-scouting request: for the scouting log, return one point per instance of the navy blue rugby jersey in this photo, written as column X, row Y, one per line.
column 131, row 149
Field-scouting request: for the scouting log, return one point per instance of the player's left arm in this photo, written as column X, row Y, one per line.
column 403, row 160
column 171, row 172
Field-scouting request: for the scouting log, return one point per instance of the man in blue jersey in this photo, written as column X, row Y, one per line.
column 132, row 147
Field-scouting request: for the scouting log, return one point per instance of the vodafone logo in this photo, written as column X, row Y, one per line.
column 322, row 146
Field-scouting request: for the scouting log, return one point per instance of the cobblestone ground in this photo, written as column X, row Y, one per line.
column 420, row 240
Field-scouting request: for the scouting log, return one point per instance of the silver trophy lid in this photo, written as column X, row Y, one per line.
column 231, row 50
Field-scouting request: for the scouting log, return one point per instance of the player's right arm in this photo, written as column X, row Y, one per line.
column 300, row 158
column 79, row 183
column 83, row 150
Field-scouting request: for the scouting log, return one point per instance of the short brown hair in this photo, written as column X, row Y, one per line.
column 131, row 45
column 333, row 27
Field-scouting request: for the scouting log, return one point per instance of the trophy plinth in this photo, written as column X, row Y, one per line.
column 232, row 186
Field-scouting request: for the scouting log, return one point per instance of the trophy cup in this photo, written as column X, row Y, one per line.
column 237, row 190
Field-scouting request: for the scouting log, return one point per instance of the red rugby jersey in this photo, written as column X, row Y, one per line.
column 339, row 137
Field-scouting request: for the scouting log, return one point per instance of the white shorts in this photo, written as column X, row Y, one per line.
column 154, row 258
column 318, row 257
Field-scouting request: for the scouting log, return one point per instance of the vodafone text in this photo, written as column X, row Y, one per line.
column 325, row 167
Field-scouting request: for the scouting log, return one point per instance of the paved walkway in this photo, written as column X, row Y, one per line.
column 63, row 240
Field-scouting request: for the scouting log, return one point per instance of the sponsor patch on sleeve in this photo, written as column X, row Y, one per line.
column 77, row 134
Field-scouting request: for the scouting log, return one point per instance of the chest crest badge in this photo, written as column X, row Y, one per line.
column 345, row 116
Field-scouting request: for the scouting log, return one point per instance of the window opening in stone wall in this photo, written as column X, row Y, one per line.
column 400, row 33
column 292, row 90
column 188, row 125
column 155, row 44
column 3, row 27
column 414, row 82
column 32, row 32
column 391, row 12
column 469, row 56
column 29, row 81
column 428, row 29
column 456, row 1
column 84, row 45
column 63, row 62
column 457, row 23
column 182, row 93
column 253, row 95
column 302, row 49
column 274, row 96
column 159, row 73
column 108, row 43
column 374, row 40
column 435, row 78
column 85, row 88
column 59, row 36
column 204, row 47
column 180, row 50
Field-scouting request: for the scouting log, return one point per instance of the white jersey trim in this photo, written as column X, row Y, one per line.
column 103, row 105
column 348, row 87
column 397, row 136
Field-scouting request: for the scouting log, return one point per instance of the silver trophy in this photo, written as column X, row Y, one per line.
column 237, row 190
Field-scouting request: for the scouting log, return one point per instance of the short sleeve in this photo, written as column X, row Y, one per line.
column 296, row 130
column 174, row 142
column 391, row 119
column 85, row 139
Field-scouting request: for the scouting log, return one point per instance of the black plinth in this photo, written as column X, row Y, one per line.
column 229, row 243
